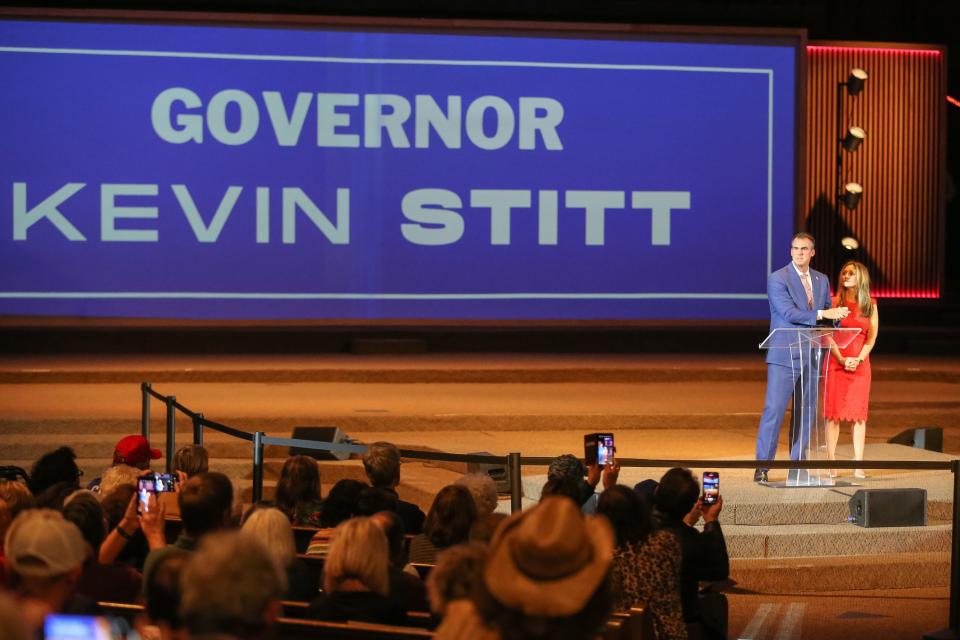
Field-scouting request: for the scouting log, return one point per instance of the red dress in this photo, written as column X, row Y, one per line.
column 847, row 395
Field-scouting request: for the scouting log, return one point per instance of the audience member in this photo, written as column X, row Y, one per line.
column 191, row 459
column 45, row 555
column 547, row 576
column 14, row 498
column 483, row 489
column 646, row 489
column 573, row 488
column 483, row 529
column 162, row 599
column 125, row 543
column 57, row 466
column 373, row 500
column 117, row 476
column 339, row 506
column 457, row 575
column 99, row 582
column 356, row 581
column 272, row 529
column 381, row 462
column 568, row 465
column 646, row 566
column 12, row 619
column 298, row 491
column 704, row 554
column 132, row 451
column 405, row 587
column 206, row 505
column 448, row 523
column 54, row 496
column 230, row 587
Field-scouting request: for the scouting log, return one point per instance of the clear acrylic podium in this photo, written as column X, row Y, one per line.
column 806, row 347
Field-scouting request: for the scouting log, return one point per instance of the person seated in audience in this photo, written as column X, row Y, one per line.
column 373, row 500
column 116, row 476
column 298, row 491
column 272, row 529
column 646, row 489
column 125, row 543
column 569, row 466
column 456, row 576
column 191, row 460
column 161, row 619
column 133, row 451
column 14, row 498
column 483, row 488
column 206, row 505
column 99, row 582
column 356, row 580
column 483, row 529
column 231, row 588
column 45, row 556
column 704, row 554
column 547, row 576
column 12, row 619
column 448, row 523
column 55, row 495
column 406, row 587
column 339, row 506
column 381, row 463
column 51, row 468
column 646, row 564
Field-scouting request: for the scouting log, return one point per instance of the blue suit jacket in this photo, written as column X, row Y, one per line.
column 788, row 305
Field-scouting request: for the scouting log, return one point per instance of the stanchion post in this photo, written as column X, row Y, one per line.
column 171, row 431
column 257, row 466
column 516, row 486
column 145, row 410
column 198, row 429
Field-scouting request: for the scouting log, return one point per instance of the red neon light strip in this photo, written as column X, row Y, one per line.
column 953, row 101
column 907, row 293
column 812, row 48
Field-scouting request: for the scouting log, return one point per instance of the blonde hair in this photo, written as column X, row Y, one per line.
column 359, row 550
column 864, row 302
column 117, row 476
column 272, row 529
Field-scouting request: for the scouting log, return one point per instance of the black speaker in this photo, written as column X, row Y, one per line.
column 929, row 438
column 889, row 508
column 496, row 471
column 333, row 435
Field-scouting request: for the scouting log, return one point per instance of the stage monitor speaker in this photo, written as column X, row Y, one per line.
column 333, row 435
column 929, row 438
column 496, row 471
column 889, row 508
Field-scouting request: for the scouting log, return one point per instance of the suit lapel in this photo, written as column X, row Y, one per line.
column 796, row 288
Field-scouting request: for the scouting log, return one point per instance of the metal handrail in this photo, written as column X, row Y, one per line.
column 514, row 461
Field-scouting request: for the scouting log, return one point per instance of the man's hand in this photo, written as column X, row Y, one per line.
column 711, row 512
column 836, row 313
column 610, row 474
column 594, row 471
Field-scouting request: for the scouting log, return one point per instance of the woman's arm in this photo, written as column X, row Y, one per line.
column 871, row 335
column 114, row 543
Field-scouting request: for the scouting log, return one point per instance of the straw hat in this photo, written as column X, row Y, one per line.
column 549, row 560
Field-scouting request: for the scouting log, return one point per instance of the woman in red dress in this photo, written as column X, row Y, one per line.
column 848, row 370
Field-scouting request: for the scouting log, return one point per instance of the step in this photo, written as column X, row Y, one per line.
column 833, row 540
column 814, row 574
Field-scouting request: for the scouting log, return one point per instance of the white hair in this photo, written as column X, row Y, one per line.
column 272, row 529
column 483, row 489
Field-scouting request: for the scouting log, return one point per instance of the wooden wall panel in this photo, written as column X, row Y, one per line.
column 900, row 219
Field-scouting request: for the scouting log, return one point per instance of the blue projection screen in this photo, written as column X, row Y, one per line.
column 227, row 173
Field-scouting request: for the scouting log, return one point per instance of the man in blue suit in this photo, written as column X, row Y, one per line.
column 799, row 298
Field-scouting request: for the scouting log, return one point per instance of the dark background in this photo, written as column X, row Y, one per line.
column 917, row 326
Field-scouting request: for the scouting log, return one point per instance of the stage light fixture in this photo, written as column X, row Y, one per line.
column 855, row 81
column 853, row 139
column 850, row 243
column 852, row 193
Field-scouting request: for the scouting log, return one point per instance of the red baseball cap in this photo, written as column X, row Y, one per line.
column 134, row 450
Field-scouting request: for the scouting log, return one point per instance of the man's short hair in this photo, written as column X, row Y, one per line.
column 228, row 585
column 191, row 459
column 381, row 462
column 677, row 492
column 205, row 502
column 566, row 465
column 84, row 510
column 803, row 235
column 161, row 589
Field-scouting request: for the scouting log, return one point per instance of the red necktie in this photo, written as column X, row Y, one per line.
column 805, row 279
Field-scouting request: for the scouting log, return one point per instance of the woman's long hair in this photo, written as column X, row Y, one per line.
column 863, row 287
column 298, row 486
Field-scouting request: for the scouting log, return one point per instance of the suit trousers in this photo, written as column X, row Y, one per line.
column 782, row 383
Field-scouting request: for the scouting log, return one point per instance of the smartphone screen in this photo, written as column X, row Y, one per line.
column 67, row 627
column 165, row 482
column 605, row 449
column 711, row 487
column 145, row 486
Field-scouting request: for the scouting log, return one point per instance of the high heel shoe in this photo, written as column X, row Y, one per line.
column 860, row 475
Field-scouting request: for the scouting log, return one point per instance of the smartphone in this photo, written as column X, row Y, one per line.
column 69, row 627
column 598, row 448
column 711, row 487
column 154, row 483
